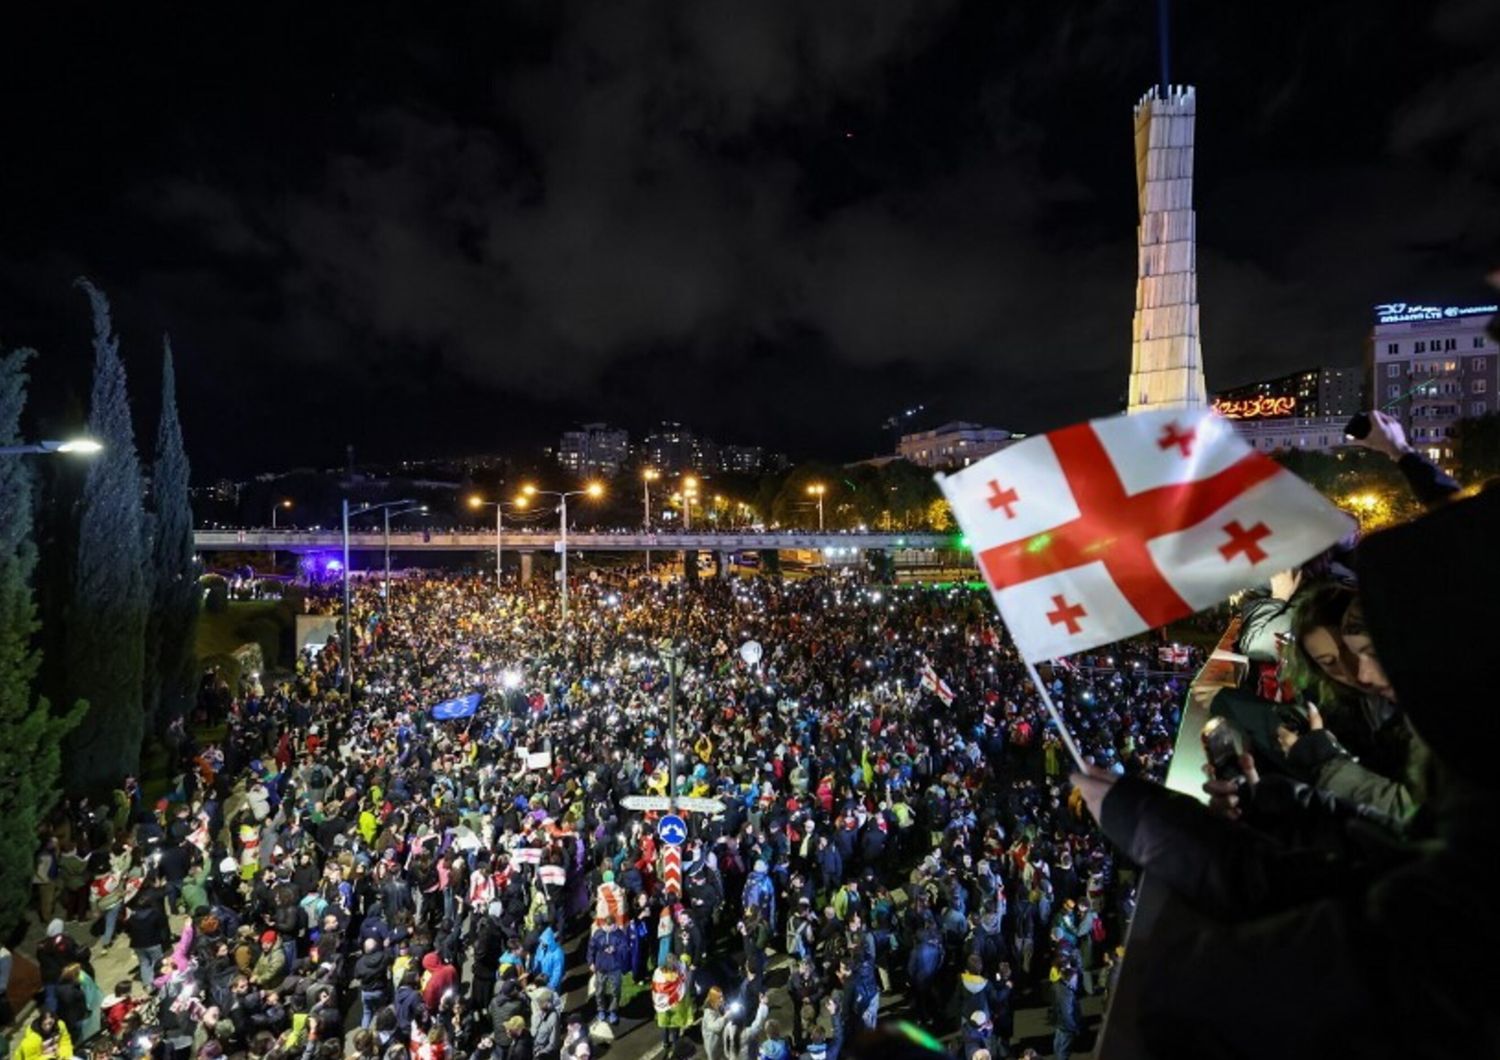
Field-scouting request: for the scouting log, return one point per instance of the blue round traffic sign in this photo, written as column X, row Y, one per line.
column 672, row 830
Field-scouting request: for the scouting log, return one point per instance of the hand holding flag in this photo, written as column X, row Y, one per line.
column 1099, row 531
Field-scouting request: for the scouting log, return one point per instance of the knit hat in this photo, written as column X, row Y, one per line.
column 268, row 938
column 56, row 927
column 977, row 1017
column 515, row 1024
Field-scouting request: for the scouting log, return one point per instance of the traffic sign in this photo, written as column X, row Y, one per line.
column 646, row 802
column 672, row 830
column 708, row 806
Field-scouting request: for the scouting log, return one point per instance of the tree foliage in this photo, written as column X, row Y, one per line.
column 1478, row 442
column 170, row 657
column 29, row 734
column 107, row 616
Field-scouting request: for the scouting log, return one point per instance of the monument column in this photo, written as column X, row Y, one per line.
column 1166, row 357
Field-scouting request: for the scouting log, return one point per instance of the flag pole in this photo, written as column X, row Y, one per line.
column 1062, row 729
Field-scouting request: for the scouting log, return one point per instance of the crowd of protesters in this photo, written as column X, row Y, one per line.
column 360, row 875
column 358, row 878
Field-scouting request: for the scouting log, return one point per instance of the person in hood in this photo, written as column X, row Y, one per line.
column 438, row 978
column 548, row 959
column 546, row 1024
column 1363, row 931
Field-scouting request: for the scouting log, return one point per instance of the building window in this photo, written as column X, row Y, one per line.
column 1450, row 366
column 1393, row 371
column 1478, row 408
column 1450, row 344
column 1479, row 342
column 1476, row 364
column 1393, row 392
column 1420, row 347
column 1479, row 386
column 1393, row 348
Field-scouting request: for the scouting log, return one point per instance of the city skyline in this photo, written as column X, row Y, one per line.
column 434, row 236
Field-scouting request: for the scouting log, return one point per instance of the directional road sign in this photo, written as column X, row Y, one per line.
column 672, row 830
column 708, row 806
column 646, row 802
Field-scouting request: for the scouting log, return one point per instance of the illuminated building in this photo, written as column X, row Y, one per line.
column 594, row 449
column 1304, row 410
column 1166, row 355
column 1432, row 366
column 953, row 445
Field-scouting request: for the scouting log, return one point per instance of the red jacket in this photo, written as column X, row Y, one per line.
column 437, row 979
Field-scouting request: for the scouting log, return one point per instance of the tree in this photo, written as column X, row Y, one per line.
column 172, row 622
column 29, row 734
column 1479, row 448
column 107, row 617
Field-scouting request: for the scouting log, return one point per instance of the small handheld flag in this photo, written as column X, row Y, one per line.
column 1103, row 530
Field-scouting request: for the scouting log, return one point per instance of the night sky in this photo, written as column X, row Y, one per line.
column 450, row 228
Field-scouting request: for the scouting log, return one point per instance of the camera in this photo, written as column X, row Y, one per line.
column 1223, row 743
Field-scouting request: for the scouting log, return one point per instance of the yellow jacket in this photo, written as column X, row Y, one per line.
column 31, row 1044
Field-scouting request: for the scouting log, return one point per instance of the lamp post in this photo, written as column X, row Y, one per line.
column 672, row 655
column 817, row 490
column 348, row 682
column 648, row 476
column 76, row 446
column 385, row 586
column 499, row 506
column 689, row 493
column 275, row 511
column 593, row 489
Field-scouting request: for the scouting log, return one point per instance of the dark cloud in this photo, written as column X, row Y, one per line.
column 730, row 213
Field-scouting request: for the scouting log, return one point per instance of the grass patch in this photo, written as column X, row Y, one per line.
column 264, row 622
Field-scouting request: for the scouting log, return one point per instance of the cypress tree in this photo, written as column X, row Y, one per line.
column 107, row 617
column 29, row 734
column 174, row 577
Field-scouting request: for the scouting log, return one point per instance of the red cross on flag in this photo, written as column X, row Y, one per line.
column 1121, row 525
column 936, row 685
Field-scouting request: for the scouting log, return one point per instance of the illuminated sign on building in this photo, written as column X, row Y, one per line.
column 1256, row 408
column 1401, row 312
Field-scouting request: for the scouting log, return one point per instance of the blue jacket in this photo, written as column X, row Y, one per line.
column 761, row 893
column 548, row 961
column 925, row 960
column 609, row 951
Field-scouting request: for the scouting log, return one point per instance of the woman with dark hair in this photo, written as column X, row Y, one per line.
column 1358, row 744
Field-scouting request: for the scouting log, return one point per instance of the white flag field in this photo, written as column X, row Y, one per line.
column 1099, row 531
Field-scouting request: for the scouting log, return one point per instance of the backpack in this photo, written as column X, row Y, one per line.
column 1098, row 931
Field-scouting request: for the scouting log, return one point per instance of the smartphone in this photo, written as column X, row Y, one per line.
column 1358, row 426
column 1223, row 743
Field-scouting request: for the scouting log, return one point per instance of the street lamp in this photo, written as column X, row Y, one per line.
column 648, row 476
column 385, row 586
column 276, row 510
column 673, row 656
column 817, row 490
column 75, row 446
column 593, row 489
column 348, row 683
column 499, row 506
column 689, row 494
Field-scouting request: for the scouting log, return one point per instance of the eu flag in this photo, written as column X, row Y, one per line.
column 452, row 709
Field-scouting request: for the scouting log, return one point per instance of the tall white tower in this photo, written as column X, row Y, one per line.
column 1166, row 357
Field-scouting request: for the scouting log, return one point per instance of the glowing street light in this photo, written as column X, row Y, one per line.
column 593, row 489
column 477, row 502
column 72, row 446
column 817, row 489
column 648, row 476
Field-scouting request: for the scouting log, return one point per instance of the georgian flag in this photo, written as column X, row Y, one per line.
column 936, row 685
column 1108, row 528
